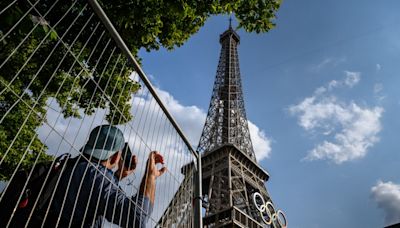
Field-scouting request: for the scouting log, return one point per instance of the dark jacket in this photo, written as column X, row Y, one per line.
column 89, row 193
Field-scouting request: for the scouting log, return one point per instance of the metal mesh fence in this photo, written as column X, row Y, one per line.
column 61, row 75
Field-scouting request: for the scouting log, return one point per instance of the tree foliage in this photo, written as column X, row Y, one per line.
column 152, row 24
column 72, row 62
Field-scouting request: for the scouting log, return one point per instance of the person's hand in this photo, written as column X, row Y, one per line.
column 122, row 171
column 152, row 170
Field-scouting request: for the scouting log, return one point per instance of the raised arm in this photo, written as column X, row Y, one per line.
column 148, row 184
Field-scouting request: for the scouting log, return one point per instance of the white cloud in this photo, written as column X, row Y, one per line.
column 322, row 64
column 352, row 129
column 332, row 84
column 190, row 118
column 330, row 61
column 261, row 143
column 358, row 131
column 387, row 197
column 352, row 78
column 378, row 87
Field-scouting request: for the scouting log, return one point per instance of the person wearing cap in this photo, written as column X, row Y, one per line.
column 88, row 192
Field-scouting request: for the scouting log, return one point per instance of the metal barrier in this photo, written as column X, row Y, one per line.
column 64, row 70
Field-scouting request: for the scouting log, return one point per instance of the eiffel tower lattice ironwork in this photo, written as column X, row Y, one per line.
column 232, row 183
column 226, row 121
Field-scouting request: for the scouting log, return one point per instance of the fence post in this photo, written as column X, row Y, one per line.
column 198, row 223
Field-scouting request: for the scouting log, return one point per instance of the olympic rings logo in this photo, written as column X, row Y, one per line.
column 268, row 213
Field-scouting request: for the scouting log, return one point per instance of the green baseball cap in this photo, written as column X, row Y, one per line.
column 104, row 141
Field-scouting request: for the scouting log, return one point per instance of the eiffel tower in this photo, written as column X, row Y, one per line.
column 233, row 182
column 233, row 188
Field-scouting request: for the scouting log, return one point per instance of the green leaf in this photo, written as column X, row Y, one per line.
column 53, row 35
column 45, row 28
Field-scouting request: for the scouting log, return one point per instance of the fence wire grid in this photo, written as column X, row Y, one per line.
column 62, row 73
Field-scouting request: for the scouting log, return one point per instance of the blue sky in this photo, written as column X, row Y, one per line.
column 324, row 80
